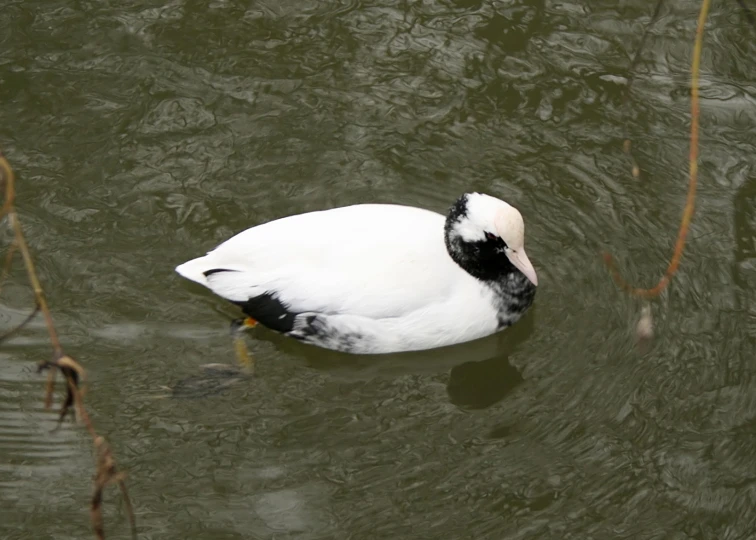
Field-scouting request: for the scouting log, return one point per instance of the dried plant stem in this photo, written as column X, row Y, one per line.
column 674, row 262
column 29, row 318
column 75, row 375
column 20, row 244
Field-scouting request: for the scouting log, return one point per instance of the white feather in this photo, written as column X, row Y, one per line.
column 369, row 260
column 381, row 271
column 371, row 278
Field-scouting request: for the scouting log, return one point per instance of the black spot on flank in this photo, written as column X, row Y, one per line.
column 309, row 327
column 215, row 271
column 316, row 329
column 269, row 311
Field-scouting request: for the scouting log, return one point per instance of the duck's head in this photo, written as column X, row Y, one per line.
column 486, row 237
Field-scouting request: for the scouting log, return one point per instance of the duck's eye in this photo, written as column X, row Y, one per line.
column 490, row 236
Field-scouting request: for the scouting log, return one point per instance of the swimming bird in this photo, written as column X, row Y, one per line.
column 378, row 278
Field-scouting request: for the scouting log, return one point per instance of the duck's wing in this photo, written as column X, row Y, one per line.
column 373, row 261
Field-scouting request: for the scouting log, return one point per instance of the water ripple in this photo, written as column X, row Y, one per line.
column 146, row 133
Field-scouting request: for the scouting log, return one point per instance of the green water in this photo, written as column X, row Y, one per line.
column 144, row 133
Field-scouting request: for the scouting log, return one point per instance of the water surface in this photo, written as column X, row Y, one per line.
column 144, row 133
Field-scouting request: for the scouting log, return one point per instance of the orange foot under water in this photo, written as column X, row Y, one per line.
column 245, row 360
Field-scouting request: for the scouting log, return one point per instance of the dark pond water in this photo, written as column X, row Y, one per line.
column 146, row 132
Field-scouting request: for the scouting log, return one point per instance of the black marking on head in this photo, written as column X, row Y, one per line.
column 269, row 311
column 207, row 273
column 496, row 239
column 484, row 259
column 487, row 260
column 457, row 212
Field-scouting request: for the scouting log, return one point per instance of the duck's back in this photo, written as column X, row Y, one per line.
column 370, row 260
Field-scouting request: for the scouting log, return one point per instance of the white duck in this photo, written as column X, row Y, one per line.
column 378, row 278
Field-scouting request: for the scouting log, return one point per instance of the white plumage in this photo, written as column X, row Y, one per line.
column 369, row 278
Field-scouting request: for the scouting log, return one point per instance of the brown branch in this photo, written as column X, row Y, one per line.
column 687, row 216
column 75, row 376
column 8, row 207
column 29, row 318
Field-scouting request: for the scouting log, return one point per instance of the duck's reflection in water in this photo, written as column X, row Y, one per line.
column 480, row 373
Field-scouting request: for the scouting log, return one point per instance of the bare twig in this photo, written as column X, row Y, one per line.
column 674, row 262
column 29, row 318
column 74, row 374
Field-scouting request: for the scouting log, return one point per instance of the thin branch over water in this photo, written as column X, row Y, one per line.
column 106, row 472
column 687, row 215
